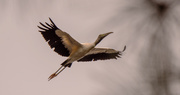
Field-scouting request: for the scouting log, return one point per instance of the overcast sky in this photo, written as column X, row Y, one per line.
column 27, row 61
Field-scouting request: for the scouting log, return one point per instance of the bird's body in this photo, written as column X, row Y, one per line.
column 79, row 52
column 66, row 46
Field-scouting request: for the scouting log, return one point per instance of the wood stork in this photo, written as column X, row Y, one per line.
column 65, row 45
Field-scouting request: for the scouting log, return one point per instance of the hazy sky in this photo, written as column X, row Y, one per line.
column 27, row 61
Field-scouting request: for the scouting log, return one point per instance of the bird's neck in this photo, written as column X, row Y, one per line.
column 97, row 41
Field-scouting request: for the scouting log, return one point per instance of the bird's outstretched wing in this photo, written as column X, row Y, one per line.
column 101, row 54
column 61, row 41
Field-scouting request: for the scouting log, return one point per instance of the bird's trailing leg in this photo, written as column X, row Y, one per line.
column 57, row 72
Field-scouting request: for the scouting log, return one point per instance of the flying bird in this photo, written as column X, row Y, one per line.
column 65, row 45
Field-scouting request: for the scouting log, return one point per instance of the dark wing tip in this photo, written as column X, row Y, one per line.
column 48, row 32
column 52, row 23
column 41, row 28
column 50, row 19
column 47, row 27
column 124, row 48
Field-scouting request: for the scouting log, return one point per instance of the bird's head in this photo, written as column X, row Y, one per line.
column 101, row 36
column 104, row 35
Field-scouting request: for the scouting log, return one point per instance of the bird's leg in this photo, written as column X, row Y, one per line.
column 56, row 73
column 60, row 71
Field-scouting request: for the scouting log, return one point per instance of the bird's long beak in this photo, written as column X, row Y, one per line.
column 101, row 36
column 107, row 33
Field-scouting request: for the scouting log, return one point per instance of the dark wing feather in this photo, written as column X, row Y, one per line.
column 101, row 54
column 48, row 32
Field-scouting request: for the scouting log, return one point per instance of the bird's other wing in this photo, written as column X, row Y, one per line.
column 61, row 41
column 102, row 54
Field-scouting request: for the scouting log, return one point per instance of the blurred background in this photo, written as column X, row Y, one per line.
column 149, row 29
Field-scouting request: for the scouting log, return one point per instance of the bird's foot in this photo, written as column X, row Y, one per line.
column 52, row 76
